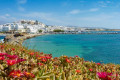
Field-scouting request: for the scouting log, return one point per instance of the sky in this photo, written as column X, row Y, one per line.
column 81, row 13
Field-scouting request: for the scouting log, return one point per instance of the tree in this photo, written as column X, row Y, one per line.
column 58, row 30
column 40, row 31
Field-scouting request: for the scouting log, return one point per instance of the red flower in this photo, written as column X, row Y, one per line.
column 76, row 56
column 1, row 46
column 91, row 70
column 48, row 57
column 41, row 57
column 40, row 64
column 11, row 56
column 20, row 60
column 104, row 75
column 98, row 64
column 41, row 53
column 2, row 57
column 31, row 53
column 29, row 75
column 3, row 54
column 67, row 60
column 12, row 49
column 16, row 74
column 43, row 60
column 78, row 71
column 37, row 55
column 11, row 62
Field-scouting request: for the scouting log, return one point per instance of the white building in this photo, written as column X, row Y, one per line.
column 18, row 27
column 6, row 27
column 1, row 28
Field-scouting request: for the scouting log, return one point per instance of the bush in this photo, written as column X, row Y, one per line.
column 39, row 31
column 18, row 34
column 58, row 30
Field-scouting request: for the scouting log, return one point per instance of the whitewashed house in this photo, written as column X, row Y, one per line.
column 19, row 28
column 1, row 28
column 6, row 27
column 32, row 29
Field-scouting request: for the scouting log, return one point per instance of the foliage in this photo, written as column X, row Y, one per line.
column 39, row 31
column 58, row 30
column 17, row 62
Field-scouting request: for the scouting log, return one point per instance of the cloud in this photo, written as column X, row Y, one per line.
column 6, row 18
column 22, row 1
column 93, row 9
column 104, row 3
column 7, row 15
column 20, row 4
column 49, row 17
column 76, row 11
column 21, row 8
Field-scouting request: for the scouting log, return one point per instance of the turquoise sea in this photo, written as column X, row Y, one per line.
column 104, row 48
column 1, row 38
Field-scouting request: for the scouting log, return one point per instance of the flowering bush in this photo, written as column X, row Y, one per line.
column 17, row 62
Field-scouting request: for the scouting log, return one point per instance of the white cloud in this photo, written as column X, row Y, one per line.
column 22, row 1
column 104, row 3
column 21, row 8
column 6, row 18
column 93, row 9
column 7, row 15
column 76, row 11
column 42, row 16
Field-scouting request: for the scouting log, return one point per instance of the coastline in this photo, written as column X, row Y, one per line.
column 36, row 63
column 9, row 38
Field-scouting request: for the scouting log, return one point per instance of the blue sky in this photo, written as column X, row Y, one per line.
column 82, row 13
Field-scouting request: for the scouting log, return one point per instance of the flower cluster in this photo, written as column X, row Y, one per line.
column 18, row 62
column 19, row 74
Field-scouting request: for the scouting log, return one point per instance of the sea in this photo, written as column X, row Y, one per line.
column 102, row 48
column 2, row 38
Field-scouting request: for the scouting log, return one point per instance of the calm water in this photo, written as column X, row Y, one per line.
column 1, row 38
column 93, row 47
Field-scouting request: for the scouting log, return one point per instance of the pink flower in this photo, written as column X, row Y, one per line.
column 11, row 62
column 3, row 54
column 98, row 64
column 40, row 64
column 2, row 57
column 48, row 57
column 11, row 56
column 91, row 70
column 16, row 74
column 104, row 75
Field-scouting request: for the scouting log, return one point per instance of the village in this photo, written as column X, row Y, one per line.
column 35, row 27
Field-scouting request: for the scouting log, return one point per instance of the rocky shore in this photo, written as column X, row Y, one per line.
column 10, row 38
